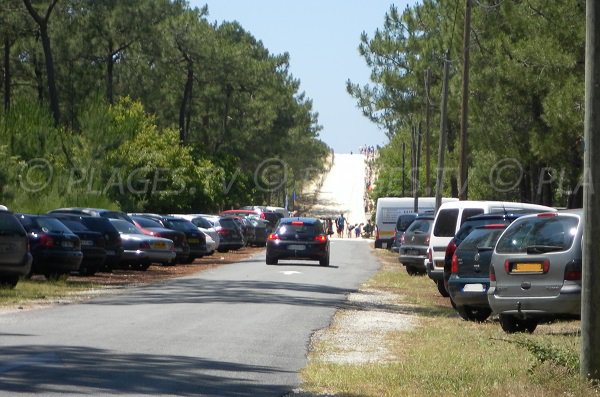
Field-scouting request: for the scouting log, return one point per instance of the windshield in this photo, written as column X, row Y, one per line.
column 539, row 235
column 125, row 227
column 481, row 238
column 145, row 222
column 299, row 228
column 181, row 225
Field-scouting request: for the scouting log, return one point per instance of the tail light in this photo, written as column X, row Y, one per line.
column 451, row 248
column 223, row 232
column 46, row 241
column 492, row 274
column 507, row 266
column 144, row 245
column 546, row 265
column 321, row 238
column 454, row 265
column 377, row 233
column 573, row 271
column 262, row 215
column 273, row 236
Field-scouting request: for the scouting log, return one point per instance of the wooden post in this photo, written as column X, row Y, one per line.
column 439, row 186
column 463, row 165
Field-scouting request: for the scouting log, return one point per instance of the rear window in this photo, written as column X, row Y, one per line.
column 420, row 226
column 145, row 222
column 538, row 235
column 469, row 212
column 9, row 224
column 74, row 225
column 300, row 228
column 404, row 221
column 227, row 223
column 201, row 222
column 481, row 238
column 445, row 225
column 99, row 224
column 469, row 225
column 181, row 225
column 48, row 225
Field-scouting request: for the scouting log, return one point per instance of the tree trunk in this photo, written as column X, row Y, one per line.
column 187, row 93
column 7, row 74
column 43, row 25
column 109, row 73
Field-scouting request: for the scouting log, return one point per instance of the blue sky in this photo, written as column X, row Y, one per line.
column 321, row 37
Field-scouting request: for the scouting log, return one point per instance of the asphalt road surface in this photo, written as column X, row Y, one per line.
column 238, row 330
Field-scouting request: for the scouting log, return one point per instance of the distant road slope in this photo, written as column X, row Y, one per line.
column 343, row 189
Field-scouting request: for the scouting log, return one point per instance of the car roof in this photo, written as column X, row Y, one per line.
column 299, row 219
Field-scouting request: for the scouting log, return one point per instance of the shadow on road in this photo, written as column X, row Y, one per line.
column 194, row 290
column 71, row 369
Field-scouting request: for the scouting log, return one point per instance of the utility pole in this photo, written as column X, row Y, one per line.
column 416, row 159
column 590, row 297
column 464, row 148
column 427, row 134
column 439, row 186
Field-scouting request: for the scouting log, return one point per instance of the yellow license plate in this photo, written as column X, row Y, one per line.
column 193, row 240
column 528, row 268
column 159, row 245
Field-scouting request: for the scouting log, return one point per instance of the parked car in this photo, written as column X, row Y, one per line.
column 413, row 250
column 15, row 258
column 203, row 224
column 470, row 272
column 92, row 244
column 535, row 273
column 271, row 214
column 262, row 229
column 98, row 220
column 141, row 250
column 471, row 224
column 153, row 228
column 194, row 237
column 298, row 238
column 230, row 235
column 402, row 223
column 55, row 249
column 450, row 217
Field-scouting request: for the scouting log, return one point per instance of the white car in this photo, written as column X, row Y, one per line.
column 204, row 225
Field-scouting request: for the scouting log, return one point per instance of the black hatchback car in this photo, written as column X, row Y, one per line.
column 15, row 258
column 298, row 238
column 56, row 250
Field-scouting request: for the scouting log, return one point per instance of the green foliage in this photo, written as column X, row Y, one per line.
column 525, row 99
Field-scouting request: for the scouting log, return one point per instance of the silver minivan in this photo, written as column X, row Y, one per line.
column 535, row 271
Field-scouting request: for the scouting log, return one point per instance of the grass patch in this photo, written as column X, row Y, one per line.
column 447, row 356
column 34, row 290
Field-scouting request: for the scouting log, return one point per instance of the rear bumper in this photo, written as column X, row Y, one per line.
column 57, row 261
column 567, row 302
column 435, row 273
column 456, row 289
column 311, row 252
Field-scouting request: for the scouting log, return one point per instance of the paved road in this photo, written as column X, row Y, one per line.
column 238, row 330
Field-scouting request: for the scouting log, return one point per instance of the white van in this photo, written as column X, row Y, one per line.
column 390, row 208
column 451, row 216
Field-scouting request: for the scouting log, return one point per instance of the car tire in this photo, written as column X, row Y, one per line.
column 411, row 270
column 476, row 314
column 441, row 286
column 324, row 261
column 271, row 261
column 9, row 281
column 511, row 324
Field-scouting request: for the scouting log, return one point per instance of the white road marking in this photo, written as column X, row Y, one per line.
column 290, row 272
